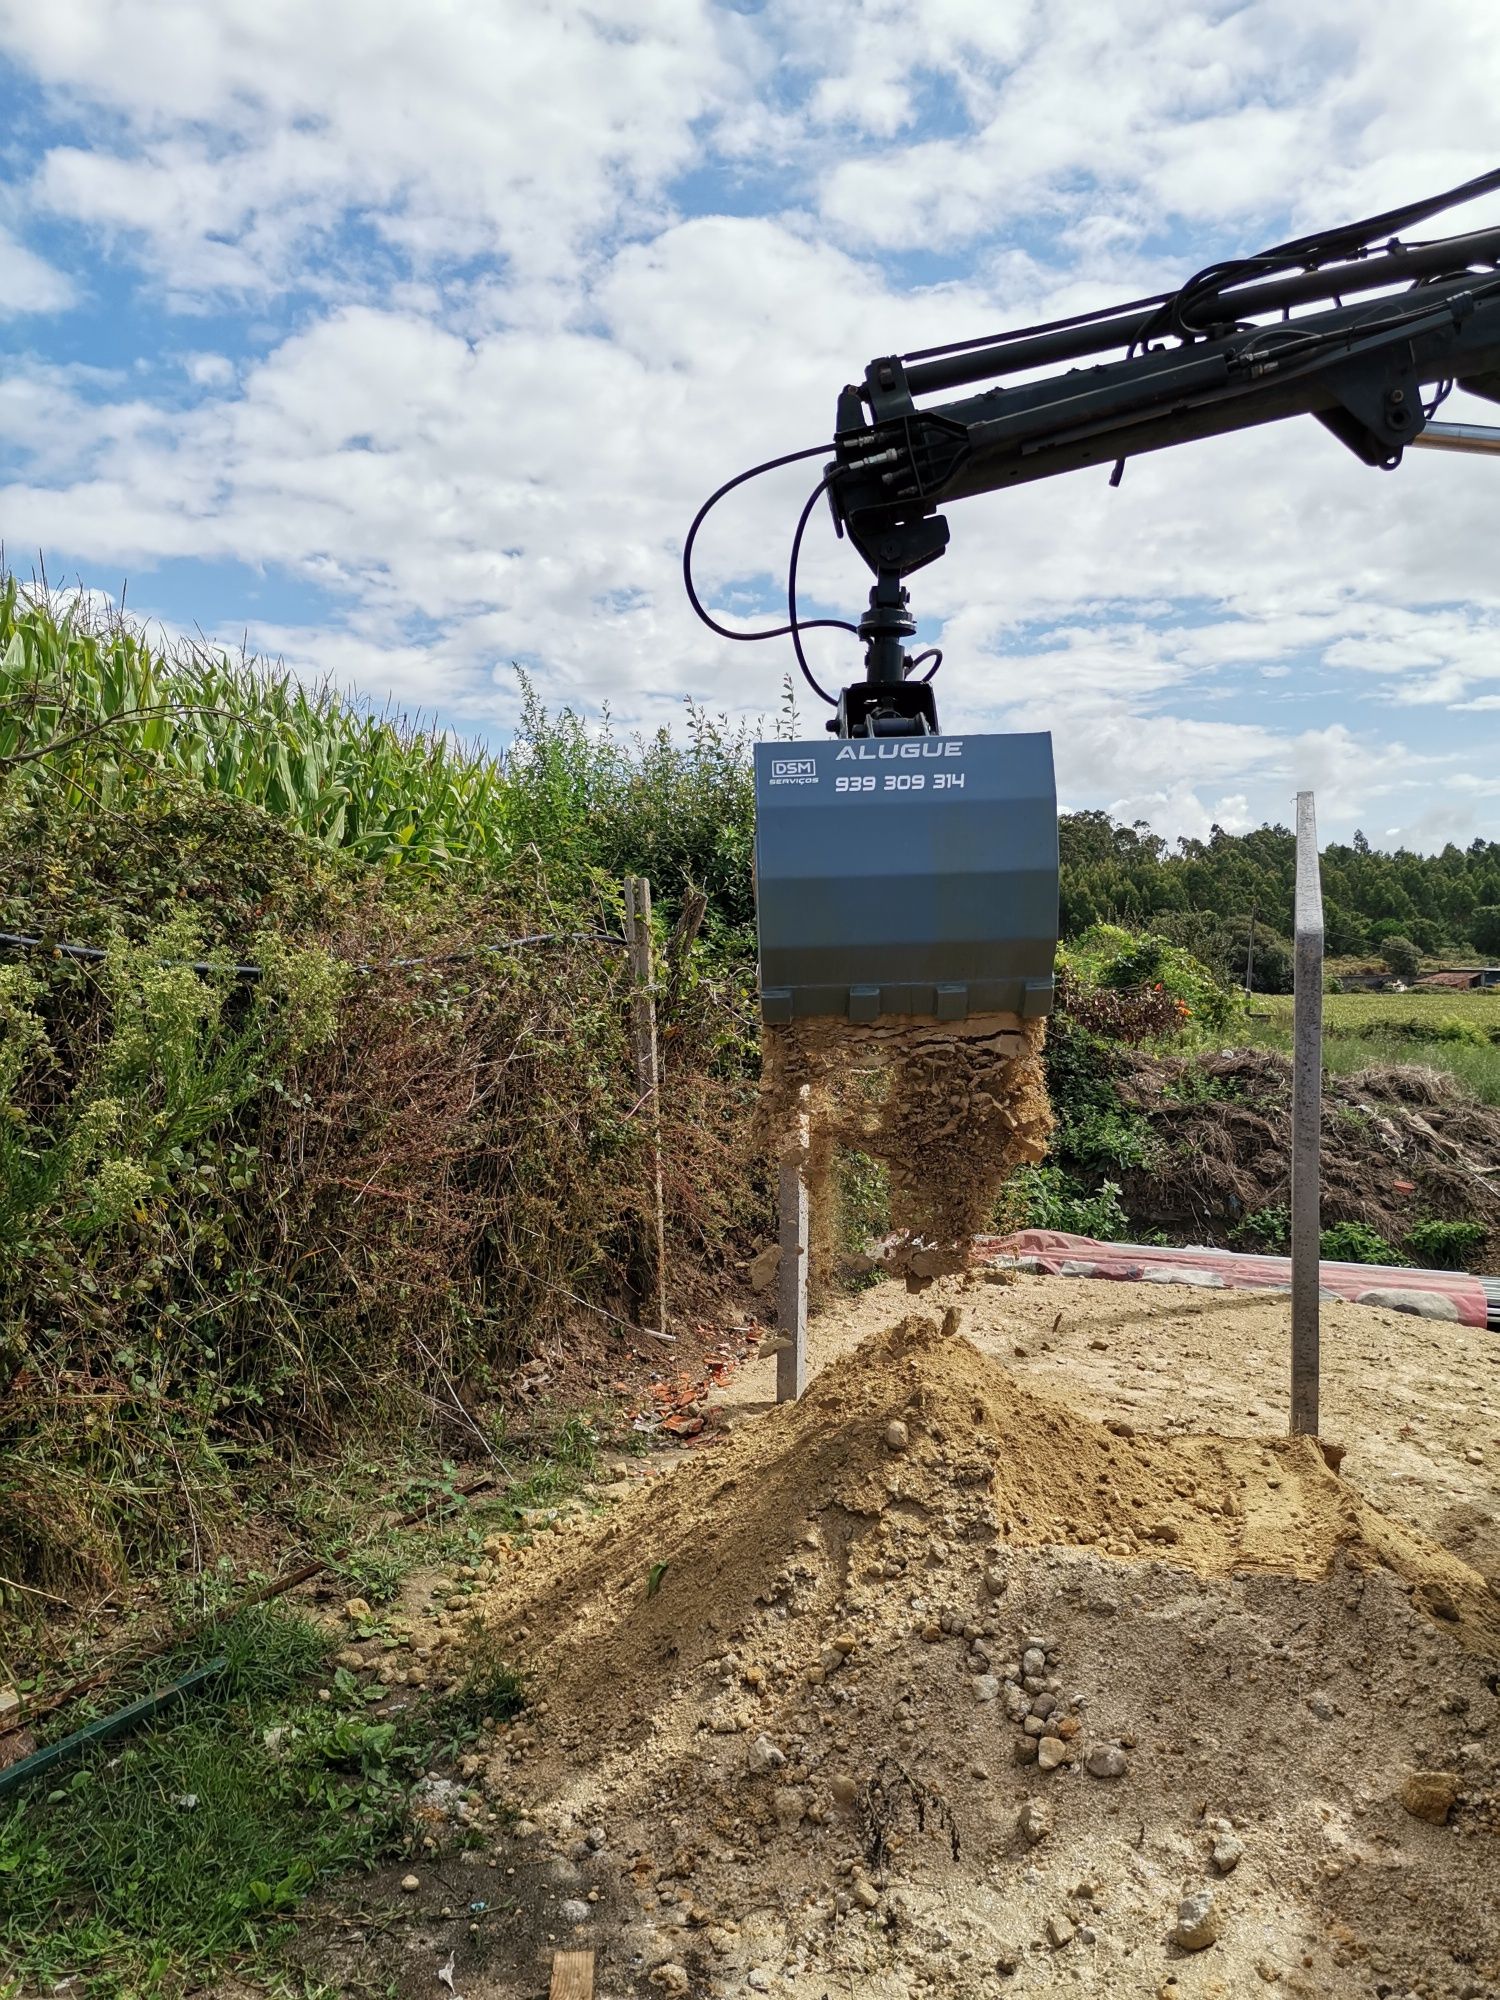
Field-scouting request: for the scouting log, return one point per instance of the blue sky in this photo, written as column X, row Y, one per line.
column 404, row 341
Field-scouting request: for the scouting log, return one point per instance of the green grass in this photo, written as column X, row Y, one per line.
column 1377, row 1030
column 113, row 1878
column 108, row 1878
column 1442, row 1016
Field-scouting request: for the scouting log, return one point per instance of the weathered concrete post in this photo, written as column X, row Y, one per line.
column 791, row 1276
column 1307, row 1118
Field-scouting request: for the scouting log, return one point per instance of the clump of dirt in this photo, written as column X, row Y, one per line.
column 924, row 1680
column 1224, row 1126
column 949, row 1109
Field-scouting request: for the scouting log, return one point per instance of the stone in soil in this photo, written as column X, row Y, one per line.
column 1228, row 1851
column 1034, row 1821
column 1198, row 1923
column 763, row 1756
column 1430, row 1795
column 1106, row 1760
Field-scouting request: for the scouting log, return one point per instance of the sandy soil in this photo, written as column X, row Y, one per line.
column 1415, row 1403
column 900, row 1090
column 1021, row 1659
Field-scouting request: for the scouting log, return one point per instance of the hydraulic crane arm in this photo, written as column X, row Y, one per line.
column 1373, row 373
column 1366, row 336
column 919, row 877
column 1361, row 369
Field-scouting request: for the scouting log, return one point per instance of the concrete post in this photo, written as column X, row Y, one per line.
column 1307, row 1118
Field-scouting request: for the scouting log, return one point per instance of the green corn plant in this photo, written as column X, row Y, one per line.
column 91, row 701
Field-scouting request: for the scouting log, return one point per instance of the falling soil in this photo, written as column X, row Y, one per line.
column 948, row 1108
column 927, row 1684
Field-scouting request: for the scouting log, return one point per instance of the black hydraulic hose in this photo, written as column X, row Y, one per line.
column 798, row 626
column 771, row 631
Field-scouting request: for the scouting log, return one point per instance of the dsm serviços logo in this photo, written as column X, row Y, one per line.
column 794, row 771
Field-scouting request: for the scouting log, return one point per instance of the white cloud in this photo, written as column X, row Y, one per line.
column 256, row 127
column 28, row 283
column 499, row 461
column 208, row 371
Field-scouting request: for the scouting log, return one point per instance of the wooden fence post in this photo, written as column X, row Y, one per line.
column 1307, row 1118
column 648, row 1070
column 791, row 1275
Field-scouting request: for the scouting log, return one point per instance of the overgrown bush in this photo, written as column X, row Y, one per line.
column 1095, row 1132
column 1108, row 958
column 319, row 1201
column 355, row 1191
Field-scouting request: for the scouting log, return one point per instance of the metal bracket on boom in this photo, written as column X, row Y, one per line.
column 1379, row 409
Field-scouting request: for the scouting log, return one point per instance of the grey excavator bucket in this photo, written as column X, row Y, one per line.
column 906, row 875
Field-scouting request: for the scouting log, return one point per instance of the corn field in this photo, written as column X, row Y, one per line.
column 88, row 697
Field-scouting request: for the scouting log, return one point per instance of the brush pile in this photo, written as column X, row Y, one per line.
column 1399, row 1144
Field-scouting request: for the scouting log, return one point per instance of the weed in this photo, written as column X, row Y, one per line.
column 1444, row 1246
column 1048, row 1198
column 374, row 1573
column 1356, row 1243
column 490, row 1691
column 1193, row 1085
column 1264, row 1228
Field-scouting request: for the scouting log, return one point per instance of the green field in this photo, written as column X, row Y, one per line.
column 1458, row 1032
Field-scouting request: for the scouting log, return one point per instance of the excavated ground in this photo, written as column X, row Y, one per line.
column 931, row 1684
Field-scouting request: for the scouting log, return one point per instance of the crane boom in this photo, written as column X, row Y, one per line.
column 1371, row 372
column 899, row 875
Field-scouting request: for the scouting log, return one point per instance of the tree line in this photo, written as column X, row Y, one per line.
column 1231, row 893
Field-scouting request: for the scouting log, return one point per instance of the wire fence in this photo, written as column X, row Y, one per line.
column 20, row 941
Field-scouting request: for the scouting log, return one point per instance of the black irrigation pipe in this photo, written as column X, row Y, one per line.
column 19, row 941
column 127, row 1657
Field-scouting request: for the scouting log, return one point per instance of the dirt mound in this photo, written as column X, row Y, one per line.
column 949, row 1108
column 1224, row 1126
column 925, row 1679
